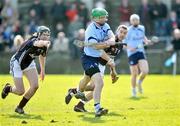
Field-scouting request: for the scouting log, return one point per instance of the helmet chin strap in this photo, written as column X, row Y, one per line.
column 135, row 25
column 101, row 24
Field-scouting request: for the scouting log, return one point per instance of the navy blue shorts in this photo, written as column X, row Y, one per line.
column 134, row 58
column 90, row 64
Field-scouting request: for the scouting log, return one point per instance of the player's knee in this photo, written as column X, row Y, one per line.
column 34, row 87
column 145, row 72
column 134, row 74
column 20, row 92
column 92, row 87
column 100, row 82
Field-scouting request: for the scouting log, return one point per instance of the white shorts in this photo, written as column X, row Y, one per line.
column 15, row 68
column 102, row 69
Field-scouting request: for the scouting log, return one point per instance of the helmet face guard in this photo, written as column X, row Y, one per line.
column 42, row 29
column 43, row 33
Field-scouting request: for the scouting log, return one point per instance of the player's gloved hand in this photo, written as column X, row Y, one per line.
column 113, row 74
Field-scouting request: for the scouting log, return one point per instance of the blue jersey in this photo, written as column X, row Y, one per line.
column 135, row 39
column 96, row 34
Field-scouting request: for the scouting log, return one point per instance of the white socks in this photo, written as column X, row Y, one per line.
column 139, row 82
column 140, row 86
column 97, row 106
column 134, row 92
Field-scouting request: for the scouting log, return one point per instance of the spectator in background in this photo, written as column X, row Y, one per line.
column 18, row 40
column 73, row 29
column 172, row 23
column 72, row 12
column 144, row 13
column 175, row 48
column 1, row 38
column 58, row 13
column 6, row 34
column 16, row 28
column 158, row 14
column 59, row 28
column 74, row 26
column 27, row 34
column 38, row 7
column 176, row 40
column 9, row 12
column 33, row 17
column 100, row 4
column 33, row 21
column 31, row 25
column 176, row 8
column 61, row 44
column 125, row 10
column 9, row 32
column 83, row 13
column 1, row 7
column 81, row 36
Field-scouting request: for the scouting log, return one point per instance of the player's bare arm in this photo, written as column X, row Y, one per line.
column 42, row 43
column 42, row 61
column 106, row 44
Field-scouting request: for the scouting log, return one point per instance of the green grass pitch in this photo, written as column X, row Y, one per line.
column 158, row 106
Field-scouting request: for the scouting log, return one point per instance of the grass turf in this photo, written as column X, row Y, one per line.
column 158, row 106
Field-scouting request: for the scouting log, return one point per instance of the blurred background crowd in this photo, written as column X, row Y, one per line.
column 68, row 19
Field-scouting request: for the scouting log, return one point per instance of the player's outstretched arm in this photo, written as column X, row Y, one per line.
column 105, row 44
column 42, row 43
column 147, row 41
column 106, row 57
column 42, row 61
column 101, row 45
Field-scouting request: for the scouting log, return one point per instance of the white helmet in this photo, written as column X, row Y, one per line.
column 134, row 16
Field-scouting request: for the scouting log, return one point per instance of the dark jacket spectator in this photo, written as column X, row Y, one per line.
column 83, row 13
column 172, row 23
column 176, row 8
column 144, row 13
column 158, row 14
column 1, row 7
column 158, row 10
column 58, row 12
column 176, row 41
column 125, row 11
column 39, row 9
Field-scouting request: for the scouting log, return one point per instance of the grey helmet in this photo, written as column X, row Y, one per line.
column 42, row 29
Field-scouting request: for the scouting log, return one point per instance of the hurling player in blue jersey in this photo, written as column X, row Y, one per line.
column 22, row 63
column 135, row 40
column 113, row 51
column 98, row 32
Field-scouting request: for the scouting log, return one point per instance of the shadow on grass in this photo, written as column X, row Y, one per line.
column 90, row 117
column 25, row 116
column 137, row 98
column 109, row 114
